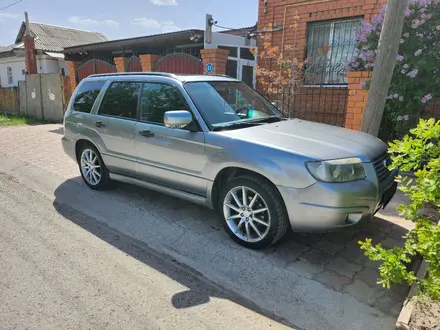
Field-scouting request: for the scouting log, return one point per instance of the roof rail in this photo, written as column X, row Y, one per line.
column 161, row 74
column 222, row 75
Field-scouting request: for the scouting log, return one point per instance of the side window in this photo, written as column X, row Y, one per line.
column 87, row 94
column 121, row 100
column 157, row 99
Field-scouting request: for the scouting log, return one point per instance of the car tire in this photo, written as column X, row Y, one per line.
column 249, row 224
column 92, row 168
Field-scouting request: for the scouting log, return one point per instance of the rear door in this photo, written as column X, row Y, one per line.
column 171, row 157
column 115, row 124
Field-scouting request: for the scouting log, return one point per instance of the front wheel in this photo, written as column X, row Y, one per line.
column 253, row 212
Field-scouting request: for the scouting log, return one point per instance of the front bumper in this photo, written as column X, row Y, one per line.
column 327, row 206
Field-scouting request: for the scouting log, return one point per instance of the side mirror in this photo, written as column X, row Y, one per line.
column 177, row 119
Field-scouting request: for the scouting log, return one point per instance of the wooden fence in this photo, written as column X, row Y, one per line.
column 9, row 100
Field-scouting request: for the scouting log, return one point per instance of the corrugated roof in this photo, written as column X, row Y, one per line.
column 55, row 38
column 152, row 37
column 240, row 31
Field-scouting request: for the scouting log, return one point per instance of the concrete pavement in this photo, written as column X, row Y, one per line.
column 56, row 275
column 312, row 281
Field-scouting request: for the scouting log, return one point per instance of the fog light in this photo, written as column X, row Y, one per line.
column 353, row 218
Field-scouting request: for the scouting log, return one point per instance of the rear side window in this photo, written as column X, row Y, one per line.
column 157, row 99
column 87, row 94
column 121, row 100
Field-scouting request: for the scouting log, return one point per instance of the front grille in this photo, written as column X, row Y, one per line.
column 380, row 167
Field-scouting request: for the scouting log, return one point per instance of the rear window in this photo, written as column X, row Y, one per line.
column 87, row 94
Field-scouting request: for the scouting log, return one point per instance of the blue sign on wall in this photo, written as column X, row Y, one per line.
column 209, row 67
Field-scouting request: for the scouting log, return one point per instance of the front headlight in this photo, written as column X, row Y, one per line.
column 338, row 170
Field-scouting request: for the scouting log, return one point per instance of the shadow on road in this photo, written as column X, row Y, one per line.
column 333, row 259
column 200, row 290
column 58, row 131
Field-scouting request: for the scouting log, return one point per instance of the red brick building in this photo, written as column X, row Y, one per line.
column 324, row 32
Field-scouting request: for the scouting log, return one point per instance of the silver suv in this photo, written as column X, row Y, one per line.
column 214, row 141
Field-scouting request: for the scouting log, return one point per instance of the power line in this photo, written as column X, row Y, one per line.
column 12, row 4
column 226, row 28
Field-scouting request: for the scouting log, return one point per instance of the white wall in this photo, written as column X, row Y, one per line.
column 45, row 64
column 63, row 65
column 17, row 64
column 223, row 39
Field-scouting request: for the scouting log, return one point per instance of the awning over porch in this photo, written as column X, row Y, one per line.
column 144, row 44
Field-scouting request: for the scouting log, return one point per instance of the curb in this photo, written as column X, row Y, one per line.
column 408, row 306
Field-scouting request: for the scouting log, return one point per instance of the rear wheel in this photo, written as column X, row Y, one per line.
column 92, row 167
column 253, row 212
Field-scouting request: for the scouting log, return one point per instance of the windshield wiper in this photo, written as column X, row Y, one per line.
column 270, row 119
column 235, row 125
column 252, row 122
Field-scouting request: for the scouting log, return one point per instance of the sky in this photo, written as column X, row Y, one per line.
column 126, row 18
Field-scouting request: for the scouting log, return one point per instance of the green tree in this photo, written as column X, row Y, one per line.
column 416, row 79
column 419, row 151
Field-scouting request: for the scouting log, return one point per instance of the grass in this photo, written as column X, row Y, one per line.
column 7, row 120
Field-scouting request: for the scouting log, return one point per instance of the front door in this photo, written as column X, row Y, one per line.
column 246, row 72
column 115, row 124
column 171, row 157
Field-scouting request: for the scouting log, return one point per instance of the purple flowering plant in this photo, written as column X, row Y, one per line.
column 416, row 75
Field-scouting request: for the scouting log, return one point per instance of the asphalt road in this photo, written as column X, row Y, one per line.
column 74, row 272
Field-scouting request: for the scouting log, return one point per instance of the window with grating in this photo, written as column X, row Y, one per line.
column 330, row 44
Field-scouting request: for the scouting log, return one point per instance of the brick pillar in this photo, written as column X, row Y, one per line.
column 357, row 99
column 217, row 57
column 148, row 62
column 121, row 63
column 72, row 66
column 30, row 54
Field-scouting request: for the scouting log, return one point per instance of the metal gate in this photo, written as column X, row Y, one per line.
column 93, row 66
column 134, row 64
column 180, row 63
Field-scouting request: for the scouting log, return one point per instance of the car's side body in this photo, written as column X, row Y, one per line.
column 186, row 163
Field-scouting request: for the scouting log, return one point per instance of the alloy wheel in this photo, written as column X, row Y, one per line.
column 246, row 213
column 91, row 167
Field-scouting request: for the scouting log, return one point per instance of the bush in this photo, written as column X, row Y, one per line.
column 416, row 79
column 418, row 151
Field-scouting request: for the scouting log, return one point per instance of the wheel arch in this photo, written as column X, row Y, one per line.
column 231, row 172
column 81, row 143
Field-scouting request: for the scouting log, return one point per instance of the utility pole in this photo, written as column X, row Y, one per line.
column 387, row 50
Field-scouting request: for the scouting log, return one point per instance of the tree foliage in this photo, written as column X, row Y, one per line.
column 418, row 151
column 416, row 79
column 280, row 67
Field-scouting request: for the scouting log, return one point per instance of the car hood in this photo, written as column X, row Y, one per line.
column 314, row 140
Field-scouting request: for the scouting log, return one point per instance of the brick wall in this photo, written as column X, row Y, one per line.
column 309, row 11
column 217, row 57
column 120, row 63
column 148, row 62
column 322, row 104
column 72, row 66
column 357, row 99
column 432, row 110
column 67, row 90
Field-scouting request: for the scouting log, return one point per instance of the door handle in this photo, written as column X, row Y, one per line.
column 146, row 133
column 99, row 124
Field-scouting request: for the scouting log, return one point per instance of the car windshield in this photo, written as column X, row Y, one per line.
column 225, row 103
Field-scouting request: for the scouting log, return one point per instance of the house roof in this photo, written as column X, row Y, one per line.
column 171, row 38
column 54, row 38
column 241, row 32
column 155, row 40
